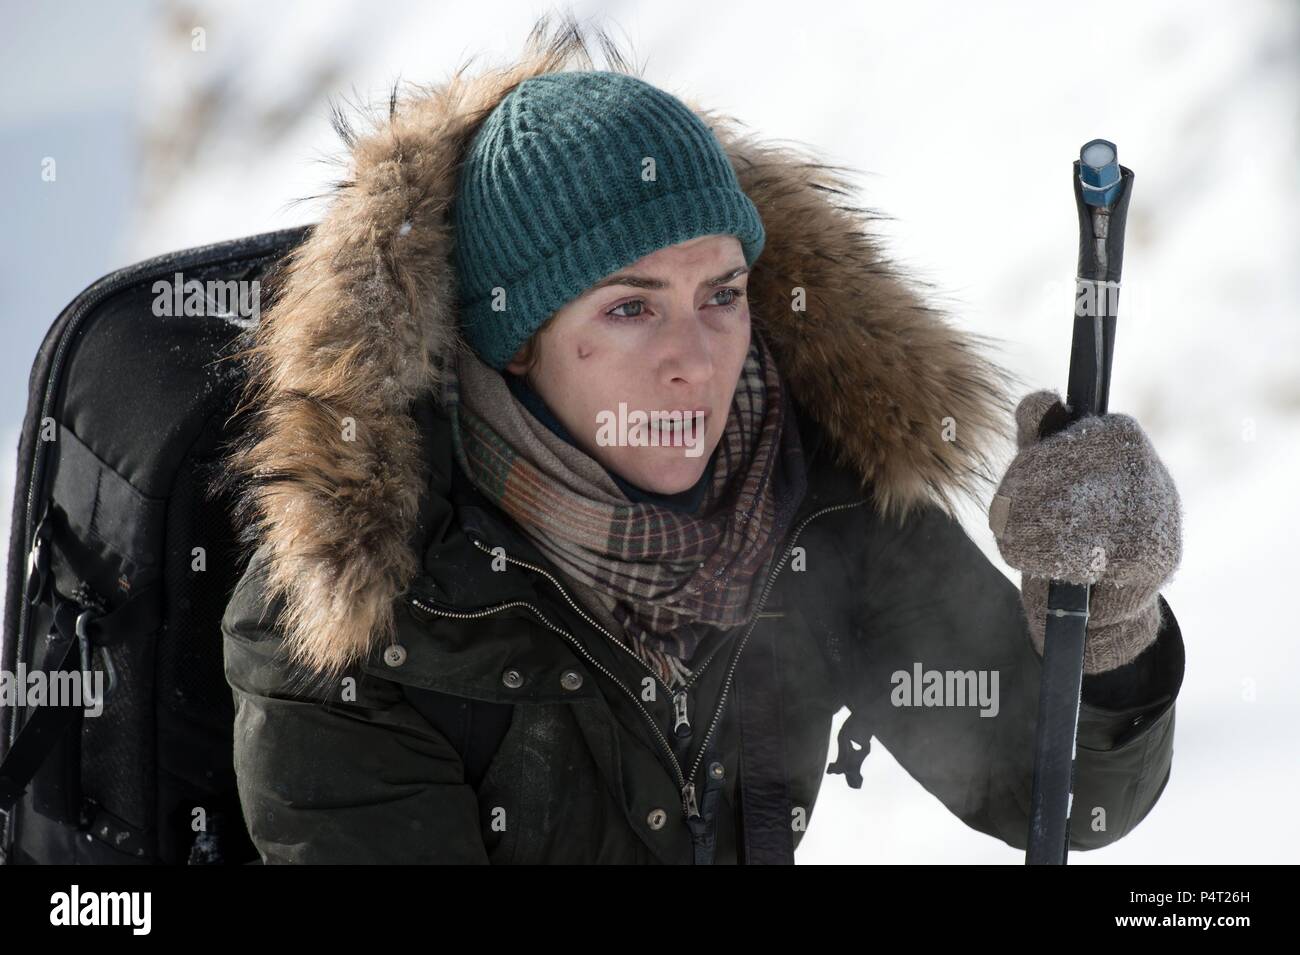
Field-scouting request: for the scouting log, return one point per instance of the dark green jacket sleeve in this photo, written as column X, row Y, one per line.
column 326, row 781
column 933, row 599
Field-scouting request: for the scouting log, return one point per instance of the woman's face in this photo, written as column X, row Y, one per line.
column 666, row 339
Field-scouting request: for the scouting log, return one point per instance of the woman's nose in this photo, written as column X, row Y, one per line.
column 687, row 354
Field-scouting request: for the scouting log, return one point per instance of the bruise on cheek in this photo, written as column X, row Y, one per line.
column 584, row 351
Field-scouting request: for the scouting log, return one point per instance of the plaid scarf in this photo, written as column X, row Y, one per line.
column 661, row 575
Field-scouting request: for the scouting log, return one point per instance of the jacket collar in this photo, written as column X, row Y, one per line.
column 363, row 318
column 457, row 581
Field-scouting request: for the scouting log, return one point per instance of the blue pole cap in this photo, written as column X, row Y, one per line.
column 1099, row 173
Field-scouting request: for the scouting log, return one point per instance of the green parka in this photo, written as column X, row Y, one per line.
column 385, row 594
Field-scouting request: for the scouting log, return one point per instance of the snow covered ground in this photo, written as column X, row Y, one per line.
column 161, row 147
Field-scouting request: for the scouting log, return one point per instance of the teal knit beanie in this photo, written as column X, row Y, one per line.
column 573, row 176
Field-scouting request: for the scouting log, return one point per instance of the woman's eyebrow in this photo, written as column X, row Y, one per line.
column 640, row 281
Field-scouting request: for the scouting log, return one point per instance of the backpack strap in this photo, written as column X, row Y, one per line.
column 45, row 725
column 75, row 631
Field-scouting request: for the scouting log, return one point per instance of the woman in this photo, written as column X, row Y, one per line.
column 477, row 519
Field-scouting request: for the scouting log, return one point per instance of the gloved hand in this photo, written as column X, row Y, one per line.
column 1090, row 504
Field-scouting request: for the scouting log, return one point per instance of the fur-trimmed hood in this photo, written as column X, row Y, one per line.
column 364, row 311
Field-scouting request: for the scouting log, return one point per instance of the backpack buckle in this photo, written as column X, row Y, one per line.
column 38, row 561
column 84, row 621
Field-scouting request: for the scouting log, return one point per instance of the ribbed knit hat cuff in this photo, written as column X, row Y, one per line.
column 614, row 244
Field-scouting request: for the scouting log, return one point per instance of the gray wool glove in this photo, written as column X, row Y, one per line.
column 1090, row 504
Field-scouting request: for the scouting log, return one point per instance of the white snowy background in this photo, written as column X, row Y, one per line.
column 963, row 118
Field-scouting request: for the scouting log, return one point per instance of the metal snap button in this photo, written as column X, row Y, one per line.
column 656, row 818
column 571, row 679
column 716, row 770
column 395, row 655
column 513, row 679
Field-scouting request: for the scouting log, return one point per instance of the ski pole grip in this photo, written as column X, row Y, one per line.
column 1102, row 188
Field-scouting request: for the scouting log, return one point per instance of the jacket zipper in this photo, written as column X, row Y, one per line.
column 680, row 697
column 685, row 782
column 586, row 654
column 735, row 656
column 577, row 609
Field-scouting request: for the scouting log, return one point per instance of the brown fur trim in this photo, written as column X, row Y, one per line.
column 364, row 313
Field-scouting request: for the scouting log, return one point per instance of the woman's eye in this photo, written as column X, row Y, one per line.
column 639, row 304
column 736, row 296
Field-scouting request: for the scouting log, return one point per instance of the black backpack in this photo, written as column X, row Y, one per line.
column 121, row 554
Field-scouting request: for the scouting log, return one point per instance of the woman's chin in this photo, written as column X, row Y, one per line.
column 671, row 475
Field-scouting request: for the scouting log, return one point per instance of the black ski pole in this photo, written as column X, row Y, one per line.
column 1101, row 193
